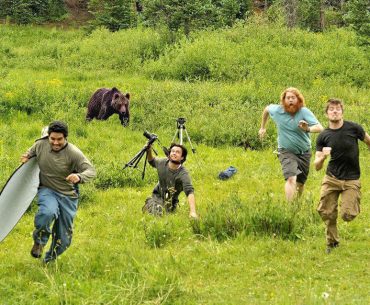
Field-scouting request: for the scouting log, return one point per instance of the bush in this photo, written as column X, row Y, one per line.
column 220, row 81
column 238, row 54
column 119, row 51
column 358, row 17
column 192, row 15
column 31, row 11
column 158, row 231
column 112, row 14
column 224, row 220
column 233, row 217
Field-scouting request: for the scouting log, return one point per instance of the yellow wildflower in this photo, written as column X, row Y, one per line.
column 54, row 82
column 9, row 95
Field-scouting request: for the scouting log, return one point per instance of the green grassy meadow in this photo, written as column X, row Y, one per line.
column 249, row 246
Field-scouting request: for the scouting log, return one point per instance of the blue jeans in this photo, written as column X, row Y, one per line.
column 60, row 209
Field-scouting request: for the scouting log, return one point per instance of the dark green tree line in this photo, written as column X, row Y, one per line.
column 28, row 11
column 189, row 15
column 113, row 14
column 184, row 15
column 358, row 17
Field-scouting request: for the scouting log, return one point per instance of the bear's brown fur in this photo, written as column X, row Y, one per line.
column 105, row 102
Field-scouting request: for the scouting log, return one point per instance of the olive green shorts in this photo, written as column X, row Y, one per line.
column 295, row 164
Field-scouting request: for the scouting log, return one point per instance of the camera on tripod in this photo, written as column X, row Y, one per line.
column 181, row 121
column 150, row 136
column 179, row 133
column 136, row 159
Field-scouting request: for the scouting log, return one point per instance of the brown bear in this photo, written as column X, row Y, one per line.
column 105, row 102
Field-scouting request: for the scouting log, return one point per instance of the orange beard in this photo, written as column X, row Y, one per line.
column 292, row 109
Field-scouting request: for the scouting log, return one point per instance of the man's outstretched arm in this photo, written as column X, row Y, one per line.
column 191, row 200
column 265, row 116
column 367, row 140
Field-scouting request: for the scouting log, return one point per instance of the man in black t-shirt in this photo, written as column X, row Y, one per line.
column 340, row 142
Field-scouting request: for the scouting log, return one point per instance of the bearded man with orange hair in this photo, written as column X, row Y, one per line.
column 294, row 124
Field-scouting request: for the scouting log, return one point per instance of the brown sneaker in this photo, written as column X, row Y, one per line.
column 36, row 250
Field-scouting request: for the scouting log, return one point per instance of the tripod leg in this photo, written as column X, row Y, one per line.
column 136, row 159
column 146, row 159
column 191, row 145
column 174, row 137
column 139, row 158
column 180, row 135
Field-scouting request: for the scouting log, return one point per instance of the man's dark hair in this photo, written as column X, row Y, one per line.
column 334, row 101
column 183, row 149
column 58, row 126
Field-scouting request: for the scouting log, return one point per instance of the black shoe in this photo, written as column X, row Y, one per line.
column 36, row 250
column 331, row 246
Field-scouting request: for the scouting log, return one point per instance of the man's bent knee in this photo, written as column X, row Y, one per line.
column 348, row 217
column 291, row 179
column 326, row 216
column 44, row 217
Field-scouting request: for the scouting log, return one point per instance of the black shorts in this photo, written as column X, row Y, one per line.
column 295, row 164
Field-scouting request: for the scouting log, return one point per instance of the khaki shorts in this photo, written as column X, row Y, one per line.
column 295, row 165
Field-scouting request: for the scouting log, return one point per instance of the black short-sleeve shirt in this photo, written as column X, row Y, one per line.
column 344, row 160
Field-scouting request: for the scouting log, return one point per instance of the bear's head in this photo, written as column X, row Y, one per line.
column 120, row 102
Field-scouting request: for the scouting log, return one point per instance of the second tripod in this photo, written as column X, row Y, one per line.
column 179, row 133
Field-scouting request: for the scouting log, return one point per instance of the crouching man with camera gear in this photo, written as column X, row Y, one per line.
column 173, row 179
column 62, row 167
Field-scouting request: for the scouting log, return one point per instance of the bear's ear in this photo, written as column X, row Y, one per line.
column 128, row 95
column 114, row 89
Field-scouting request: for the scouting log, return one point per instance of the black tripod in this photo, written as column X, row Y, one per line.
column 136, row 159
column 179, row 133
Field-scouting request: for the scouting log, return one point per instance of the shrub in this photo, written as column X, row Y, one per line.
column 112, row 14
column 220, row 81
column 264, row 216
column 30, row 11
column 158, row 231
column 358, row 17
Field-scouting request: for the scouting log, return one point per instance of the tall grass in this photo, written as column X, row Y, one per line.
column 260, row 216
column 264, row 54
column 254, row 63
column 249, row 246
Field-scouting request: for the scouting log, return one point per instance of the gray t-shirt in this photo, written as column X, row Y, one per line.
column 171, row 182
column 55, row 166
